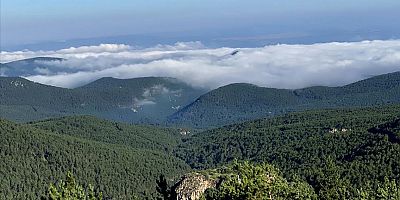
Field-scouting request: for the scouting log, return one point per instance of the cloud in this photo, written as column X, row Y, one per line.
column 150, row 95
column 278, row 66
column 102, row 48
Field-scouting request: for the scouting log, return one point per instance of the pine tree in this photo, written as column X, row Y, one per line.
column 71, row 190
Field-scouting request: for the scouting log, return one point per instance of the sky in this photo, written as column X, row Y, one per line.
column 214, row 22
column 280, row 43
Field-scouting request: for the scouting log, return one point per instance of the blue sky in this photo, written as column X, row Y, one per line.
column 223, row 22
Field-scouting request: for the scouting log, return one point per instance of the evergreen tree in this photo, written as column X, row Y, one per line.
column 71, row 190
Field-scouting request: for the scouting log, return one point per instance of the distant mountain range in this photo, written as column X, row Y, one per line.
column 28, row 67
column 240, row 102
column 160, row 100
column 139, row 100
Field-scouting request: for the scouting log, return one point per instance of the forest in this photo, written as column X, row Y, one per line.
column 32, row 158
column 336, row 153
column 340, row 142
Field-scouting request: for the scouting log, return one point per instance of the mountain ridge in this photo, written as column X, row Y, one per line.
column 169, row 101
column 240, row 102
column 133, row 100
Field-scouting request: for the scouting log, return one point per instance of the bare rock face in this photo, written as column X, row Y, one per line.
column 192, row 186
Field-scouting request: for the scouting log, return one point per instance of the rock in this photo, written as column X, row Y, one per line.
column 192, row 186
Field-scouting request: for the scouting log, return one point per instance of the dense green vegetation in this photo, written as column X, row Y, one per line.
column 245, row 181
column 349, row 151
column 240, row 102
column 338, row 152
column 248, row 181
column 241, row 180
column 91, row 128
column 146, row 100
column 71, row 190
column 31, row 158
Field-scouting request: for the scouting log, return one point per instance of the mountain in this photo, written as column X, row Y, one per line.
column 158, row 100
column 27, row 67
column 149, row 99
column 33, row 155
column 334, row 150
column 146, row 99
column 241, row 102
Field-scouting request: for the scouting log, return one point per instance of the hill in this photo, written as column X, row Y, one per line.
column 335, row 150
column 30, row 66
column 240, row 102
column 93, row 149
column 136, row 100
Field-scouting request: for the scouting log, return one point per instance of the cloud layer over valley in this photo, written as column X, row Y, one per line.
column 278, row 66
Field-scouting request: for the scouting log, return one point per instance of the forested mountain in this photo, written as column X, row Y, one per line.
column 156, row 100
column 94, row 150
column 148, row 100
column 239, row 102
column 339, row 152
column 30, row 66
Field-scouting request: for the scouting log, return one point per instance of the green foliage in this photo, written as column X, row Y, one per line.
column 164, row 189
column 71, row 190
column 30, row 158
column 387, row 190
column 247, row 181
column 92, row 128
column 335, row 163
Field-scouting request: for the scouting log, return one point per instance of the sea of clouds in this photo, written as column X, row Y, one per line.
column 277, row 66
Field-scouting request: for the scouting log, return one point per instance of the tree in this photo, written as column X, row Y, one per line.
column 71, row 190
column 163, row 189
column 244, row 180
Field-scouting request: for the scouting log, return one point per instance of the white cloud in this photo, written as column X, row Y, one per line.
column 149, row 95
column 278, row 66
column 102, row 48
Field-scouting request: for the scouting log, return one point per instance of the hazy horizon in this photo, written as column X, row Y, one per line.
column 45, row 25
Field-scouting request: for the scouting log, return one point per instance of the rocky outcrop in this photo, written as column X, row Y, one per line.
column 192, row 186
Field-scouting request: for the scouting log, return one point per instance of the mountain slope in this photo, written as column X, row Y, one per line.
column 92, row 128
column 240, row 102
column 149, row 99
column 31, row 158
column 131, row 100
column 320, row 146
